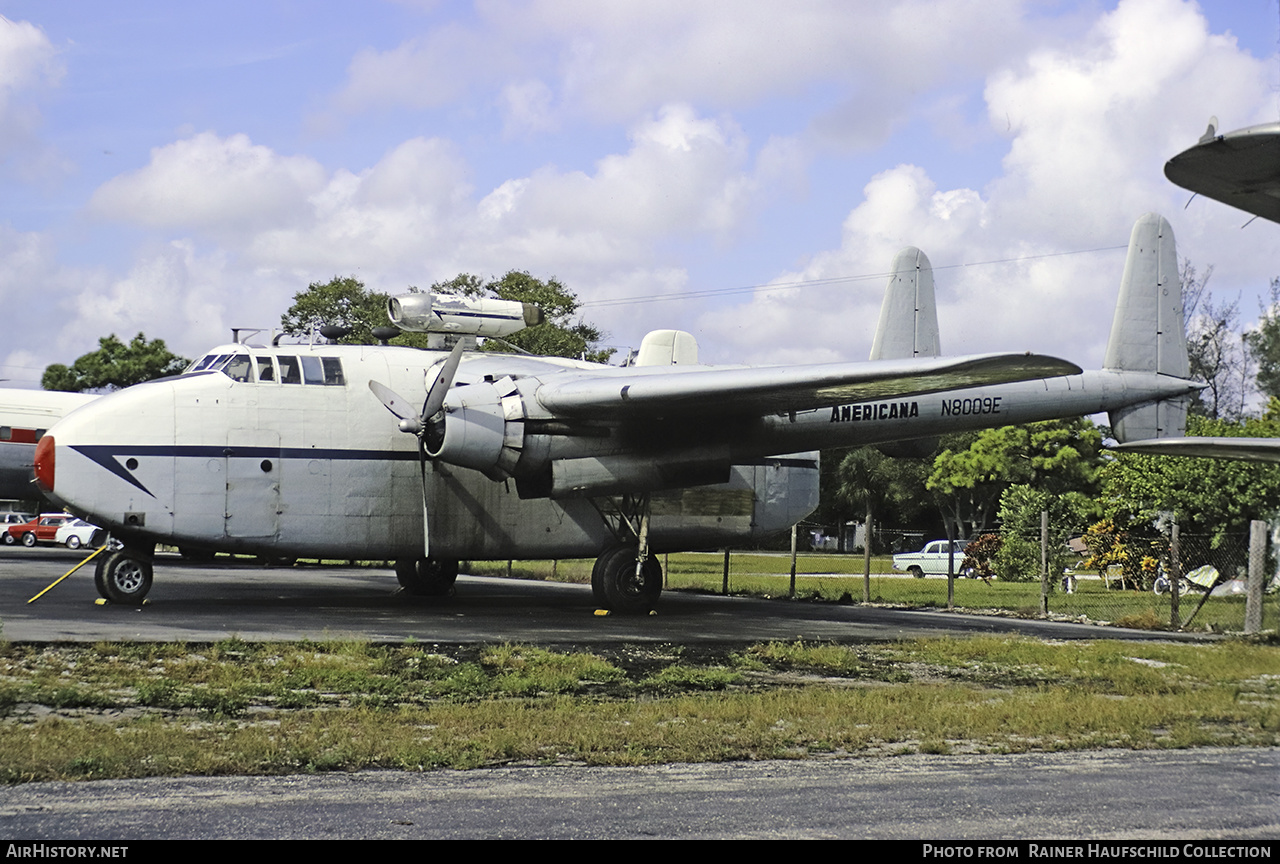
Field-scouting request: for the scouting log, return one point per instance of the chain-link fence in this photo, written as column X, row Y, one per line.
column 1143, row 582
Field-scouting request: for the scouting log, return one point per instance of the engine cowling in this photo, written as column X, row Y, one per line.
column 483, row 428
column 425, row 312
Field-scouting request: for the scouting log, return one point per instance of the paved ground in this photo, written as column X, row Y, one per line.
column 1159, row 796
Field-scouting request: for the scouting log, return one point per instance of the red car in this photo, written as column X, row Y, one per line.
column 42, row 529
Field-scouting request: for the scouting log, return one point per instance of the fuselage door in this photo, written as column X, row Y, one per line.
column 253, row 483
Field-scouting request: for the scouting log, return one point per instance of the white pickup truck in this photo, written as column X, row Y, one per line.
column 931, row 560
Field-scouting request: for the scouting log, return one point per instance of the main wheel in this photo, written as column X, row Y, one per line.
column 124, row 578
column 619, row 588
column 427, row 577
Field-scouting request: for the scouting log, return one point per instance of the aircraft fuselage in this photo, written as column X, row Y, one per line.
column 298, row 457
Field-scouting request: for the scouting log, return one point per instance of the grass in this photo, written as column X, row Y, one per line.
column 839, row 578
column 127, row 710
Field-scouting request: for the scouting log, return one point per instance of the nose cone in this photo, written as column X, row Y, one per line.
column 105, row 452
column 45, row 452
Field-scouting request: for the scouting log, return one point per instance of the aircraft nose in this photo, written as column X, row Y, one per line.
column 44, row 463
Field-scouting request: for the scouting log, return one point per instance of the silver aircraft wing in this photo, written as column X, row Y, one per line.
column 1241, row 169
column 1244, row 449
column 778, row 389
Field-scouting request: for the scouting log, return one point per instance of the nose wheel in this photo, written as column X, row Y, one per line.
column 124, row 576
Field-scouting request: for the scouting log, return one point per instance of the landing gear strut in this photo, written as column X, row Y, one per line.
column 124, row 576
column 427, row 577
column 626, row 578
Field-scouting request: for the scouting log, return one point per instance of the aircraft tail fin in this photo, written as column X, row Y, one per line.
column 1148, row 333
column 908, row 328
column 909, row 315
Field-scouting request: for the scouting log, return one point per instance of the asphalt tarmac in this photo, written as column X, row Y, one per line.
column 1161, row 797
column 200, row 602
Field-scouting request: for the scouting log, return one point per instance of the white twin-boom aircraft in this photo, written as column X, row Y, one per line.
column 322, row 450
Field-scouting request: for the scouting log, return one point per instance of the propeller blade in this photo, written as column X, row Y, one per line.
column 397, row 405
column 440, row 386
column 426, row 522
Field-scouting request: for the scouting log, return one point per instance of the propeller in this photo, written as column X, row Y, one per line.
column 429, row 426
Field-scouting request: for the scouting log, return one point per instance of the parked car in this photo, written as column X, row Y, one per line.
column 7, row 519
column 77, row 533
column 42, row 529
column 931, row 560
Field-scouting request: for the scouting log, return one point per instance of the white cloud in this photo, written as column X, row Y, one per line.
column 612, row 62
column 232, row 227
column 527, row 108
column 1089, row 126
column 412, row 218
column 28, row 65
column 223, row 185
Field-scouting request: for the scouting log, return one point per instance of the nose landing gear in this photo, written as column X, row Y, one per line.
column 124, row 575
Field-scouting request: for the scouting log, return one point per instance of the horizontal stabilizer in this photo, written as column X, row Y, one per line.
column 1245, row 449
column 779, row 389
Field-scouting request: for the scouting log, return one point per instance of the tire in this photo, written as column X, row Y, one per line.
column 427, row 577
column 9, row 539
column 916, row 571
column 28, row 539
column 125, row 578
column 616, row 585
column 73, row 542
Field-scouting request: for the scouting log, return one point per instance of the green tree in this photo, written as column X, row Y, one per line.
column 562, row 334
column 869, row 485
column 1070, row 513
column 1208, row 496
column 342, row 301
column 1055, row 456
column 1263, row 343
column 114, row 365
column 346, row 302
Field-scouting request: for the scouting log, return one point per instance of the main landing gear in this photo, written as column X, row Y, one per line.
column 123, row 576
column 427, row 577
column 626, row 578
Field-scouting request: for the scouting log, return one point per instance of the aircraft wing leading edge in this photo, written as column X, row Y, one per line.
column 788, row 388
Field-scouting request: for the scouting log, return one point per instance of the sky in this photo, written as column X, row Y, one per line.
column 741, row 169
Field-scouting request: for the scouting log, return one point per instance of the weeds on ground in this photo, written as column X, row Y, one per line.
column 123, row 710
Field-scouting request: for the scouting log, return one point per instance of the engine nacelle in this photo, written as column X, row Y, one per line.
column 466, row 316
column 483, row 428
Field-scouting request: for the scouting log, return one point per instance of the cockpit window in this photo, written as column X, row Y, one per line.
column 281, row 368
column 238, row 368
